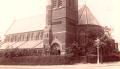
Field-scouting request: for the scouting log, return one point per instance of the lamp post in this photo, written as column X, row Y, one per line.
column 98, row 47
column 98, row 55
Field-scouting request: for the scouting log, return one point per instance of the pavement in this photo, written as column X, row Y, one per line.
column 114, row 65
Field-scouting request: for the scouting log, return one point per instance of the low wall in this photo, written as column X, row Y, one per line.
column 39, row 60
column 53, row 60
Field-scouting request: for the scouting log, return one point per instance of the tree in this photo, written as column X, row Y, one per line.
column 107, row 43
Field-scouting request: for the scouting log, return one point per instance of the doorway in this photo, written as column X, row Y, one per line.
column 55, row 49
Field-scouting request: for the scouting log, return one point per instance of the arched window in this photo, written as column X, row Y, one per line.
column 60, row 3
column 22, row 37
column 34, row 35
column 31, row 36
column 19, row 37
column 7, row 39
column 70, row 2
column 15, row 38
column 40, row 36
column 28, row 36
column 47, row 35
column 25, row 36
column 10, row 38
column 37, row 35
column 54, row 3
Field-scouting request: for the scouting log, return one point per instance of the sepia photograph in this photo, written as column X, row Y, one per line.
column 59, row 34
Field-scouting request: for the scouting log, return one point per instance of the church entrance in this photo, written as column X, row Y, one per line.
column 55, row 49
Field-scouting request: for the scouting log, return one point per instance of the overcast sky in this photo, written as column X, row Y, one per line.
column 106, row 11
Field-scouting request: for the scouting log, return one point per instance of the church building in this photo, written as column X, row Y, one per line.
column 65, row 25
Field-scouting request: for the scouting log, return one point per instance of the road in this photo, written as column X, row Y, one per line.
column 115, row 65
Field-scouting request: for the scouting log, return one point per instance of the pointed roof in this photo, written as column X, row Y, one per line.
column 86, row 16
column 27, row 24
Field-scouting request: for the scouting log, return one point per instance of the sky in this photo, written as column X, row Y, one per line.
column 105, row 11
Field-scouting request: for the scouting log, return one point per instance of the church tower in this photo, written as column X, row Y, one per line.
column 62, row 19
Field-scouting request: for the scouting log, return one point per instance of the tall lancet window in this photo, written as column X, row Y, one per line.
column 60, row 3
column 70, row 2
column 54, row 3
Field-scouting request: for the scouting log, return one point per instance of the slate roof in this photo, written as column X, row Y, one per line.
column 32, row 44
column 86, row 16
column 27, row 24
column 23, row 44
column 6, row 45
